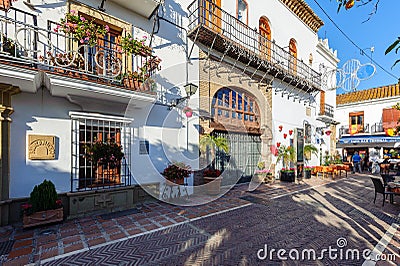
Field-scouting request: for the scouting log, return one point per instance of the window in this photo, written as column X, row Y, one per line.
column 242, row 11
column 230, row 107
column 213, row 14
column 293, row 57
column 265, row 38
column 86, row 131
column 356, row 122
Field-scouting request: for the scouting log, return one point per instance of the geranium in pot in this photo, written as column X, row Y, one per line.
column 176, row 172
column 43, row 207
column 188, row 111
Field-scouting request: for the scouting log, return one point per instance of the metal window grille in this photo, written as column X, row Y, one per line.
column 86, row 130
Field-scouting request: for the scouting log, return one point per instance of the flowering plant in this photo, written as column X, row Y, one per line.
column 211, row 173
column 83, row 30
column 104, row 153
column 264, row 171
column 308, row 168
column 176, row 170
column 287, row 170
column 131, row 45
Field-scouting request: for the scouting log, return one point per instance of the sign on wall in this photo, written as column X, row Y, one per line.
column 41, row 147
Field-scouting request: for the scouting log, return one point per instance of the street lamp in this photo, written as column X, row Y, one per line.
column 190, row 89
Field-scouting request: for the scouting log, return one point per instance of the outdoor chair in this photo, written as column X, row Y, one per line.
column 386, row 179
column 380, row 188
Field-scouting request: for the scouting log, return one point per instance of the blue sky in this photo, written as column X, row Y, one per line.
column 380, row 31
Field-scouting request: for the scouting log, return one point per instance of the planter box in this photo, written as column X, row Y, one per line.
column 213, row 185
column 43, row 217
column 287, row 176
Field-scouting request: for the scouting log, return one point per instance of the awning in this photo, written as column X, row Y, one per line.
column 368, row 141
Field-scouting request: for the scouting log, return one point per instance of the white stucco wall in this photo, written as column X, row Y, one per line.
column 372, row 110
column 40, row 114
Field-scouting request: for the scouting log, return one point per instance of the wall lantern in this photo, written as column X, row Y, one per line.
column 190, row 89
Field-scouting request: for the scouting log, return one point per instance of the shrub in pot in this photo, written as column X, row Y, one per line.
column 43, row 206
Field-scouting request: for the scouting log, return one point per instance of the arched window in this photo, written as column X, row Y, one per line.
column 293, row 57
column 265, row 38
column 243, row 11
column 232, row 108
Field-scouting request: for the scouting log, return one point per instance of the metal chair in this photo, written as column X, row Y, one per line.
column 380, row 188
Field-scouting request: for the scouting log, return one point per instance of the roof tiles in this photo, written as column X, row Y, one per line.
column 370, row 94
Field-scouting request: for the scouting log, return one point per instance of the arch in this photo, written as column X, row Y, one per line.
column 265, row 38
column 233, row 108
column 293, row 57
column 242, row 11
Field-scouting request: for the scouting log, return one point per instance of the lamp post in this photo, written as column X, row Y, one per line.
column 190, row 89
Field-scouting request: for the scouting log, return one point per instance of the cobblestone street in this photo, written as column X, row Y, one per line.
column 309, row 215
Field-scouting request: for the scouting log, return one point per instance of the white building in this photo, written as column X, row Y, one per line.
column 257, row 65
column 367, row 119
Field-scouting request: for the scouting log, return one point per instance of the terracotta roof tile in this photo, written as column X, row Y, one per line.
column 370, row 94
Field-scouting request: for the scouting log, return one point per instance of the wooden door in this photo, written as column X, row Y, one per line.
column 212, row 14
column 265, row 39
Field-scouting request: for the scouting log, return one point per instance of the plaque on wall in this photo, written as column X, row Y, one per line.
column 41, row 147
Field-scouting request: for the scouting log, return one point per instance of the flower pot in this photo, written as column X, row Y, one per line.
column 287, row 176
column 213, row 185
column 5, row 5
column 43, row 217
column 189, row 114
column 307, row 174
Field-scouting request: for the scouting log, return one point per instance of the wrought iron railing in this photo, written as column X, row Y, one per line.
column 206, row 13
column 377, row 128
column 328, row 110
column 22, row 42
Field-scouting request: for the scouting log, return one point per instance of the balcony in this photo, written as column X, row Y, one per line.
column 355, row 129
column 377, row 128
column 25, row 46
column 213, row 27
column 326, row 114
column 144, row 8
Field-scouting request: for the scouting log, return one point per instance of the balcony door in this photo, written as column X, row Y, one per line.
column 356, row 122
column 212, row 14
column 265, row 38
column 293, row 57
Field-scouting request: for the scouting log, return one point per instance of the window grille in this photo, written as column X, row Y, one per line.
column 88, row 129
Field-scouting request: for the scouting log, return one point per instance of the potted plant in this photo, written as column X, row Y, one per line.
column 176, row 172
column 6, row 4
column 287, row 155
column 188, row 111
column 308, row 150
column 131, row 45
column 209, row 143
column 43, row 206
column 83, row 30
column 106, row 159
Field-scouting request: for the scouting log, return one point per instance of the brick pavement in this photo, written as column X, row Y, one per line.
column 162, row 233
